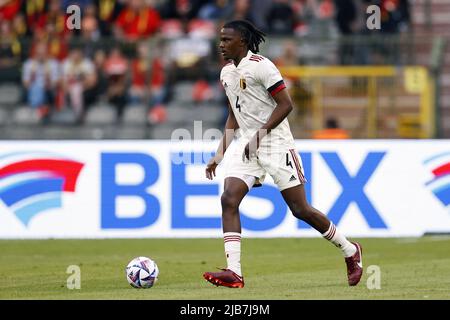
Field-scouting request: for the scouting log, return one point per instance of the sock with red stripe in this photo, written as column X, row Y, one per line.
column 232, row 241
column 336, row 238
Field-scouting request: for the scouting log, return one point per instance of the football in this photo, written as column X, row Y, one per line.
column 142, row 272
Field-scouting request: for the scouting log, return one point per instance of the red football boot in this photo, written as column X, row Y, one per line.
column 354, row 266
column 225, row 278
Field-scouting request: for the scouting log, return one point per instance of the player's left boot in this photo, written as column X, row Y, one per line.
column 226, row 278
column 354, row 266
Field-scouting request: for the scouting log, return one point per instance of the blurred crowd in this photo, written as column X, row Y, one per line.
column 134, row 51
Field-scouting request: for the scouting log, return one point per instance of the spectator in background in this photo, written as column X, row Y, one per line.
column 58, row 47
column 40, row 78
column 147, row 77
column 107, row 13
column 81, row 3
column 395, row 16
column 260, row 12
column 281, row 19
column 331, row 131
column 181, row 9
column 9, row 9
column 346, row 17
column 79, row 82
column 140, row 75
column 188, row 56
column 242, row 10
column 321, row 18
column 57, row 17
column 38, row 14
column 137, row 21
column 90, row 31
column 10, row 51
column 158, row 87
column 102, row 80
column 19, row 25
column 305, row 13
column 300, row 93
column 89, row 25
column 289, row 55
column 35, row 12
column 215, row 10
column 115, row 68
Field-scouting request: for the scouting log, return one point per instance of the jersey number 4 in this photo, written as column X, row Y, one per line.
column 288, row 162
column 238, row 106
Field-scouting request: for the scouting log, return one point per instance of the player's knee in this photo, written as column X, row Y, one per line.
column 302, row 212
column 228, row 201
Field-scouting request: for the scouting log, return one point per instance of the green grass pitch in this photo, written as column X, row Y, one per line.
column 275, row 269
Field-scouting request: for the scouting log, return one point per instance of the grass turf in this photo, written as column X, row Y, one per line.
column 275, row 269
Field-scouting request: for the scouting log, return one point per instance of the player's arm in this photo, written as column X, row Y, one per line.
column 230, row 127
column 281, row 111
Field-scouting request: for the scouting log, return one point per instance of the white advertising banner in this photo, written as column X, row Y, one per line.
column 134, row 189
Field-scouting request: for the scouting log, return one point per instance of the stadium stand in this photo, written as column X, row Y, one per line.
column 186, row 90
column 431, row 19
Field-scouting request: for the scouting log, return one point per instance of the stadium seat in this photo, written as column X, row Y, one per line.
column 189, row 130
column 9, row 94
column 4, row 116
column 58, row 132
column 162, row 132
column 199, row 28
column 179, row 113
column 25, row 115
column 21, row 133
column 91, row 133
column 131, row 132
column 65, row 116
column 171, row 29
column 209, row 112
column 182, row 92
column 101, row 114
column 135, row 115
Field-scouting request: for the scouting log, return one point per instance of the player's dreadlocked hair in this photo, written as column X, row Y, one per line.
column 251, row 35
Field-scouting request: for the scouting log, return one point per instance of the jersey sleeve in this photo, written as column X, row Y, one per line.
column 270, row 77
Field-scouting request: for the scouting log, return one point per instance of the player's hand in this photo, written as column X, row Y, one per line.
column 212, row 165
column 250, row 150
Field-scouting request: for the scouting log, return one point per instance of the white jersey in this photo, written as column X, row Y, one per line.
column 250, row 87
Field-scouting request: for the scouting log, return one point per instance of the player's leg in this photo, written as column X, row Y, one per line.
column 287, row 172
column 296, row 200
column 235, row 190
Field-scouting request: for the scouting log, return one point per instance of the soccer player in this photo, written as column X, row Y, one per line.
column 258, row 108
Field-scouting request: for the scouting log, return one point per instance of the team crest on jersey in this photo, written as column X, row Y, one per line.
column 243, row 83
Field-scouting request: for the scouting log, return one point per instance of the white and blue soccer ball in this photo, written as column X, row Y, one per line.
column 142, row 272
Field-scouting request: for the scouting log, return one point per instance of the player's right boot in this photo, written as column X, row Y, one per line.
column 354, row 266
column 225, row 278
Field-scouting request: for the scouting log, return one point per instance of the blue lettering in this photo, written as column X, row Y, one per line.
column 110, row 190
column 307, row 168
column 181, row 190
column 353, row 188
